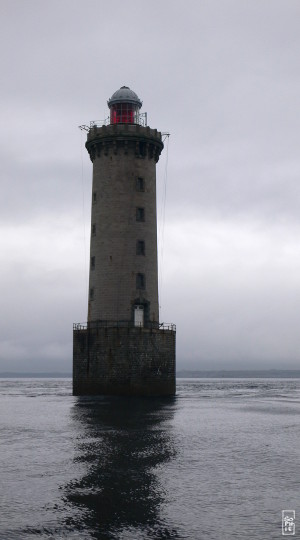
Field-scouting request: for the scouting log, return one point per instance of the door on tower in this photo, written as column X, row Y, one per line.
column 138, row 315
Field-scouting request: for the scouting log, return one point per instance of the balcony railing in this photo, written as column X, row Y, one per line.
column 140, row 119
column 123, row 324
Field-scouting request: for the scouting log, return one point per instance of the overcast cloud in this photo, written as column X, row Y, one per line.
column 222, row 76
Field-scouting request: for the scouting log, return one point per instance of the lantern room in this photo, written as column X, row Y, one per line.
column 124, row 107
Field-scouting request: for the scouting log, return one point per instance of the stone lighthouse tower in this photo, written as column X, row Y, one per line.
column 123, row 349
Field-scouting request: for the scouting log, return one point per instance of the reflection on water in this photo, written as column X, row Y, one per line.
column 218, row 462
column 122, row 443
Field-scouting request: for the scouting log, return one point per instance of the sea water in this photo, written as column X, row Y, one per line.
column 221, row 460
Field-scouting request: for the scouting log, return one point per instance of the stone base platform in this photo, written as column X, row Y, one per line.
column 129, row 361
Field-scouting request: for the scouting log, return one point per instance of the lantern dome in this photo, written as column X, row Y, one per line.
column 125, row 95
column 124, row 107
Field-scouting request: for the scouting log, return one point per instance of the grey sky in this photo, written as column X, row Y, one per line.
column 223, row 78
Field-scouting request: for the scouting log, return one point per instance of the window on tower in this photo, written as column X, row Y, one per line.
column 140, row 281
column 94, row 197
column 140, row 247
column 93, row 263
column 92, row 293
column 142, row 149
column 94, row 229
column 140, row 214
column 140, row 184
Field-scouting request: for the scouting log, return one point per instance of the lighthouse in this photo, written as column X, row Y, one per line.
column 123, row 348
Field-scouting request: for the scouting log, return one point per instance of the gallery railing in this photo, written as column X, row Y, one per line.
column 124, row 324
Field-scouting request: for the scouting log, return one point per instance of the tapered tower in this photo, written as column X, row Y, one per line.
column 123, row 348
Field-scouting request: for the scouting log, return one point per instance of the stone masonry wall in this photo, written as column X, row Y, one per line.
column 124, row 361
column 121, row 154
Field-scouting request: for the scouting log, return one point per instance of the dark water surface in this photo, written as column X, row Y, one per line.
column 221, row 460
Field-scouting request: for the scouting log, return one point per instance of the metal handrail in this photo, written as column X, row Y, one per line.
column 123, row 324
column 140, row 120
